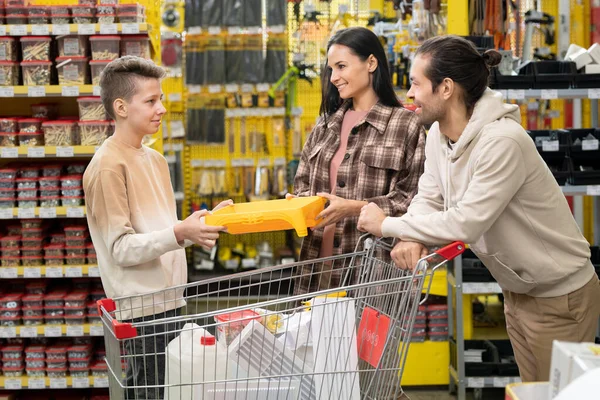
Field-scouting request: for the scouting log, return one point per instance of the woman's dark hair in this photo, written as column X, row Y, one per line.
column 457, row 58
column 362, row 42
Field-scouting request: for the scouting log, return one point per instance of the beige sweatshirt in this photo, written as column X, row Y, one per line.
column 131, row 213
column 493, row 191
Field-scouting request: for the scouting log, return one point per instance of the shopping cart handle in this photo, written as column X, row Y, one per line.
column 451, row 251
column 122, row 330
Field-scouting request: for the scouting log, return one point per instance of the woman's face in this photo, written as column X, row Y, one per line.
column 350, row 74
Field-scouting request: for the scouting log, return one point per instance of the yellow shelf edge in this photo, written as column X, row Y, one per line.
column 41, row 329
column 23, row 151
column 25, row 381
column 85, row 270
column 74, row 28
column 60, row 211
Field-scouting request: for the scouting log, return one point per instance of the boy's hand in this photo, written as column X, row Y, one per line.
column 195, row 230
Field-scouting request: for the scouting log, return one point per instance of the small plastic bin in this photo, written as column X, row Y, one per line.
column 29, row 172
column 57, row 238
column 8, row 48
column 44, row 110
column 75, row 201
column 229, row 326
column 36, row 73
column 36, row 48
column 32, row 139
column 49, row 182
column 8, row 193
column 10, row 261
column 56, row 354
column 298, row 213
column 76, row 168
column 131, row 18
column 27, row 194
column 56, row 373
column 60, row 133
column 12, row 352
column 79, row 352
column 32, row 242
column 54, row 250
column 72, row 46
column 36, row 372
column 106, row 13
column 7, row 202
column 75, row 260
column 17, row 19
column 8, row 124
column 35, row 315
column 75, row 319
column 554, row 74
column 49, row 201
column 96, row 67
column 91, row 109
column 72, row 70
column 10, row 321
column 72, row 192
column 9, row 73
column 60, row 19
column 9, row 312
column 38, row 287
column 38, row 15
column 47, row 192
column 135, row 45
column 9, row 139
column 32, row 233
column 30, row 125
column 55, row 299
column 130, row 8
column 99, row 369
column 83, row 9
column 94, row 133
column 10, row 242
column 76, row 300
column 51, row 170
column 11, row 301
column 75, row 251
column 7, row 183
column 83, row 14
column 27, row 183
column 71, row 181
column 54, row 260
column 32, row 301
column 10, row 252
column 105, row 47
column 32, row 261
column 77, row 232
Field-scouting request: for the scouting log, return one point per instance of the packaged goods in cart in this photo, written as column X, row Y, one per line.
column 105, row 47
column 9, row 73
column 9, row 139
column 38, row 15
column 36, row 48
column 72, row 46
column 94, row 133
column 229, row 326
column 36, row 73
column 31, row 139
column 72, row 70
column 60, row 133
column 8, row 48
column 91, row 109
column 135, row 45
column 96, row 67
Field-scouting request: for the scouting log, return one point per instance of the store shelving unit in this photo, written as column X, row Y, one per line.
column 53, row 383
column 80, row 29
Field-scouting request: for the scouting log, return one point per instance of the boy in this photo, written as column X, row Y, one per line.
column 132, row 218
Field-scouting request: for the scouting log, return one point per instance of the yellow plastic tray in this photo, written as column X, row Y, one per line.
column 266, row 216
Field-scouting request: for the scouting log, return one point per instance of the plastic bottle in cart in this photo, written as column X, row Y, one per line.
column 194, row 356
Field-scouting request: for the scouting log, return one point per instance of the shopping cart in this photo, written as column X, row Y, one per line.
column 346, row 342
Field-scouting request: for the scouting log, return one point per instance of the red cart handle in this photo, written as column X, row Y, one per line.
column 451, row 251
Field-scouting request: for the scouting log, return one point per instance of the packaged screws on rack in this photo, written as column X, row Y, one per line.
column 194, row 59
column 254, row 65
column 135, row 45
column 72, row 70
column 60, row 133
column 105, row 47
column 276, row 60
column 91, row 109
column 214, row 60
column 72, row 46
column 96, row 68
column 39, row 15
column 234, row 57
column 8, row 48
column 9, row 73
column 44, row 110
column 36, row 73
column 83, row 14
column 94, row 133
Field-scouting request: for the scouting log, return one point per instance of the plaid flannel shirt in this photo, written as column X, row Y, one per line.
column 383, row 162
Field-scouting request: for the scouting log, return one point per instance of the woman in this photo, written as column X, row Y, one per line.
column 364, row 148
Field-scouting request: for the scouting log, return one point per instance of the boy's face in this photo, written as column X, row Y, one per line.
column 145, row 109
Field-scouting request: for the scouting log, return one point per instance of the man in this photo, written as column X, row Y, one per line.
column 485, row 184
column 132, row 219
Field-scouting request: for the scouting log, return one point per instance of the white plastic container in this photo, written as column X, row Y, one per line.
column 192, row 357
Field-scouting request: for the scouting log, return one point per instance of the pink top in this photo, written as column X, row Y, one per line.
column 351, row 118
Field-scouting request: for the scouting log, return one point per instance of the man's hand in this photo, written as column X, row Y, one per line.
column 370, row 220
column 406, row 255
column 195, row 230
column 223, row 204
column 337, row 210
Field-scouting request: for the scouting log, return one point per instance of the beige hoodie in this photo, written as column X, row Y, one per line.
column 494, row 192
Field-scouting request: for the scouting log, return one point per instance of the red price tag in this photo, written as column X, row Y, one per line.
column 372, row 333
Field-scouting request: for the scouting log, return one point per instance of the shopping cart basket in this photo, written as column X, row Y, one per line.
column 247, row 336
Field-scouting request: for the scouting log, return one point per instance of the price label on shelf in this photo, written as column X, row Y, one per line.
column 18, row 30
column 36, row 383
column 12, row 384
column 75, row 212
column 61, row 29
column 40, row 30
column 54, row 272
column 8, row 332
column 515, row 94
column 594, row 93
column 67, row 151
column 214, row 88
column 9, row 152
column 48, row 212
column 29, row 331
column 93, row 272
column 108, row 29
column 174, row 97
column 549, row 94
column 36, row 152
column 100, row 382
column 2, row 30
column 130, row 29
column 8, row 273
column 589, row 144
column 501, row 381
column 96, row 330
column 7, row 91
column 36, row 91
column 593, row 190
column 86, row 29
column 26, row 213
column 75, row 330
column 58, row 383
column 70, row 91
column 73, row 272
column 6, row 213
column 81, row 383
column 32, row 272
column 476, row 382
column 214, row 30
column 52, row 331
column 550, row 145
column 96, row 91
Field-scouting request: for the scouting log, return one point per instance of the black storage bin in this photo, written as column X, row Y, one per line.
column 524, row 80
column 507, row 365
column 473, row 269
column 554, row 74
column 558, row 161
column 482, row 43
column 587, row 81
column 585, row 164
column 595, row 254
column 489, row 358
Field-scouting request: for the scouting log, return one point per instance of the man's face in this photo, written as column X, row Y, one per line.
column 145, row 109
column 430, row 104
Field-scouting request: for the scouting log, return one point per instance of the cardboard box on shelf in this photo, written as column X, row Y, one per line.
column 569, row 361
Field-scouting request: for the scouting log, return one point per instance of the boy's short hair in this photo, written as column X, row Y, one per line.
column 118, row 79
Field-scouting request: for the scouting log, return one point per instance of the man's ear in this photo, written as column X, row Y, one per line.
column 447, row 88
column 120, row 108
column 372, row 63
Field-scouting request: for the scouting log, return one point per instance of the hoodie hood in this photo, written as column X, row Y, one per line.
column 488, row 109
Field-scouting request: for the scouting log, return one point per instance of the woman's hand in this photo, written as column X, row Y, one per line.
column 337, row 210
